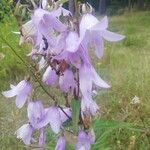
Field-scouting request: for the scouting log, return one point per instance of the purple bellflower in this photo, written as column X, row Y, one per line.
column 39, row 118
column 21, row 91
column 50, row 77
column 25, row 133
column 85, row 140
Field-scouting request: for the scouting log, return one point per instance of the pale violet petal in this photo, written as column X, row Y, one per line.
column 97, row 80
column 35, row 112
column 42, row 137
column 25, row 133
column 102, row 25
column 98, row 43
column 66, row 81
column 72, row 42
column 87, row 22
column 10, row 93
column 61, row 143
column 50, row 77
column 21, row 99
column 112, row 37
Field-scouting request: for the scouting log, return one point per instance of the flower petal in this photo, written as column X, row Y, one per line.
column 72, row 42
column 50, row 20
column 61, row 143
column 98, row 43
column 21, row 99
column 42, row 137
column 51, row 116
column 66, row 81
column 102, row 25
column 83, row 142
column 112, row 37
column 10, row 93
column 61, row 11
column 55, row 120
column 35, row 112
column 89, row 107
column 97, row 80
column 25, row 133
column 50, row 77
column 86, row 23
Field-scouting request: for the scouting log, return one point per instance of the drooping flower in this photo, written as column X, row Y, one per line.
column 36, row 113
column 61, row 143
column 66, row 81
column 55, row 117
column 84, row 141
column 88, row 77
column 21, row 91
column 25, row 133
column 95, row 31
column 89, row 106
column 50, row 77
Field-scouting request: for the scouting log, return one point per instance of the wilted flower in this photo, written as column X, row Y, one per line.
column 21, row 91
column 61, row 143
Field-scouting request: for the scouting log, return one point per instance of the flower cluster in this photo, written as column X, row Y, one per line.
column 60, row 45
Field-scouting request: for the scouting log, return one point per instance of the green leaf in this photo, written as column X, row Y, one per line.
column 112, row 124
column 75, row 105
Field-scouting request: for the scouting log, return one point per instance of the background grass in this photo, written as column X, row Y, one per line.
column 125, row 65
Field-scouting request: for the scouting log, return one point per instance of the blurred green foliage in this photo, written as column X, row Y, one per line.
column 6, row 7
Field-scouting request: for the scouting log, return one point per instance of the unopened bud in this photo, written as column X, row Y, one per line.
column 86, row 8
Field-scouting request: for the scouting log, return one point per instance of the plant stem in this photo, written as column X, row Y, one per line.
column 30, row 66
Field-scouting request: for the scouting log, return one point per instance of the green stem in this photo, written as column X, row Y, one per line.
column 30, row 66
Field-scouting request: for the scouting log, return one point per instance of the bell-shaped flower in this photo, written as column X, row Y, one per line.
column 36, row 113
column 21, row 91
column 55, row 118
column 88, row 77
column 61, row 143
column 89, row 106
column 95, row 31
column 45, row 21
column 50, row 77
column 66, row 81
column 92, row 31
column 25, row 133
column 84, row 141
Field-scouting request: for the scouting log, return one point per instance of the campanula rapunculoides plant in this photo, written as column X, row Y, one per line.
column 60, row 45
